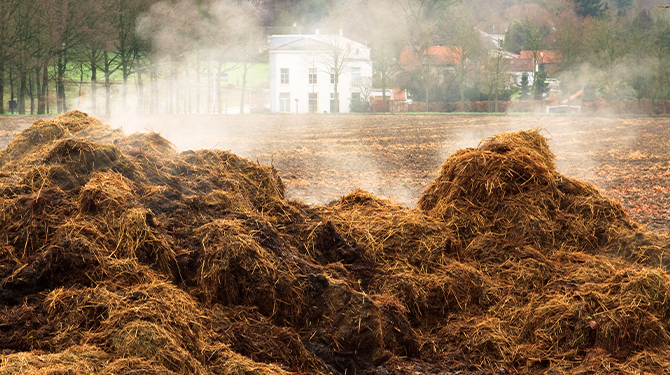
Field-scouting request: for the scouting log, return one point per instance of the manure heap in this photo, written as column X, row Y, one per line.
column 122, row 256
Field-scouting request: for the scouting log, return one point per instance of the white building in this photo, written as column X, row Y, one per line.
column 303, row 70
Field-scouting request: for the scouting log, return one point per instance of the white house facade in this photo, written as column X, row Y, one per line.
column 303, row 70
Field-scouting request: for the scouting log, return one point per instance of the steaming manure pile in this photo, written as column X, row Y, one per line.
column 122, row 256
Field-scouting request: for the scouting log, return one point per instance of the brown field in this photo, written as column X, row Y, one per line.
column 323, row 157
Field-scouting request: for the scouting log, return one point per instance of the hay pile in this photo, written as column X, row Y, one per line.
column 121, row 255
column 507, row 262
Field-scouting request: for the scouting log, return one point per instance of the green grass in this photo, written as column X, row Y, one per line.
column 258, row 74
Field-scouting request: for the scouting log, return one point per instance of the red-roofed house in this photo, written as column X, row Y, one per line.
column 550, row 59
column 517, row 67
column 439, row 56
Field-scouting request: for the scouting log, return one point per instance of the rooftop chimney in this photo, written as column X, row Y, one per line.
column 340, row 30
column 317, row 31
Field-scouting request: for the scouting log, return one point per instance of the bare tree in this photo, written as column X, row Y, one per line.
column 336, row 57
column 609, row 43
column 25, row 47
column 8, row 8
column 570, row 45
column 498, row 78
column 248, row 38
column 467, row 46
column 423, row 20
column 659, row 48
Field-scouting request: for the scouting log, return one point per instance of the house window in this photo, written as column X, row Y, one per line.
column 312, row 76
column 355, row 76
column 313, row 100
column 284, row 76
column 355, row 96
column 332, row 76
column 285, row 102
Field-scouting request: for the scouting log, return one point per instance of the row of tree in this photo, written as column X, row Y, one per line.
column 613, row 50
column 171, row 56
column 181, row 49
column 612, row 55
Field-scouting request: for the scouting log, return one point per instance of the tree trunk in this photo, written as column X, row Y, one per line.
column 60, row 85
column 140, row 86
column 175, row 90
column 94, row 82
column 34, row 89
column 662, row 96
column 461, row 83
column 197, row 86
column 218, row 89
column 209, row 86
column 22, row 92
column 244, row 85
column 42, row 98
column 384, row 107
column 11, row 89
column 108, row 87
column 2, row 86
column 154, row 89
column 187, row 83
column 336, row 97
column 124, row 92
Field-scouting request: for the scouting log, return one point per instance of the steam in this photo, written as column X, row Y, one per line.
column 319, row 157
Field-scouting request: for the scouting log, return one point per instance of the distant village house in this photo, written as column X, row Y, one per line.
column 305, row 71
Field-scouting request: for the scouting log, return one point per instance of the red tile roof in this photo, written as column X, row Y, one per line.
column 520, row 65
column 439, row 55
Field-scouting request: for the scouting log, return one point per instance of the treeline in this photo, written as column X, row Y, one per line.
column 165, row 56
column 612, row 56
column 440, row 50
column 171, row 56
column 612, row 51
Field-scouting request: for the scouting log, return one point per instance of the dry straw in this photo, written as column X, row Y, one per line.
column 122, row 255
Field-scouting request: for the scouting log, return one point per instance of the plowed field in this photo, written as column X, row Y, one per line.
column 320, row 158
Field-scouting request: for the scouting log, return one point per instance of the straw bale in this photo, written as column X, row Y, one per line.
column 84, row 359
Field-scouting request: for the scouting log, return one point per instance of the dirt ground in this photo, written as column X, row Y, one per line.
column 323, row 157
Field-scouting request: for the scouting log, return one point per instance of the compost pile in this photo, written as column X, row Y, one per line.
column 122, row 256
